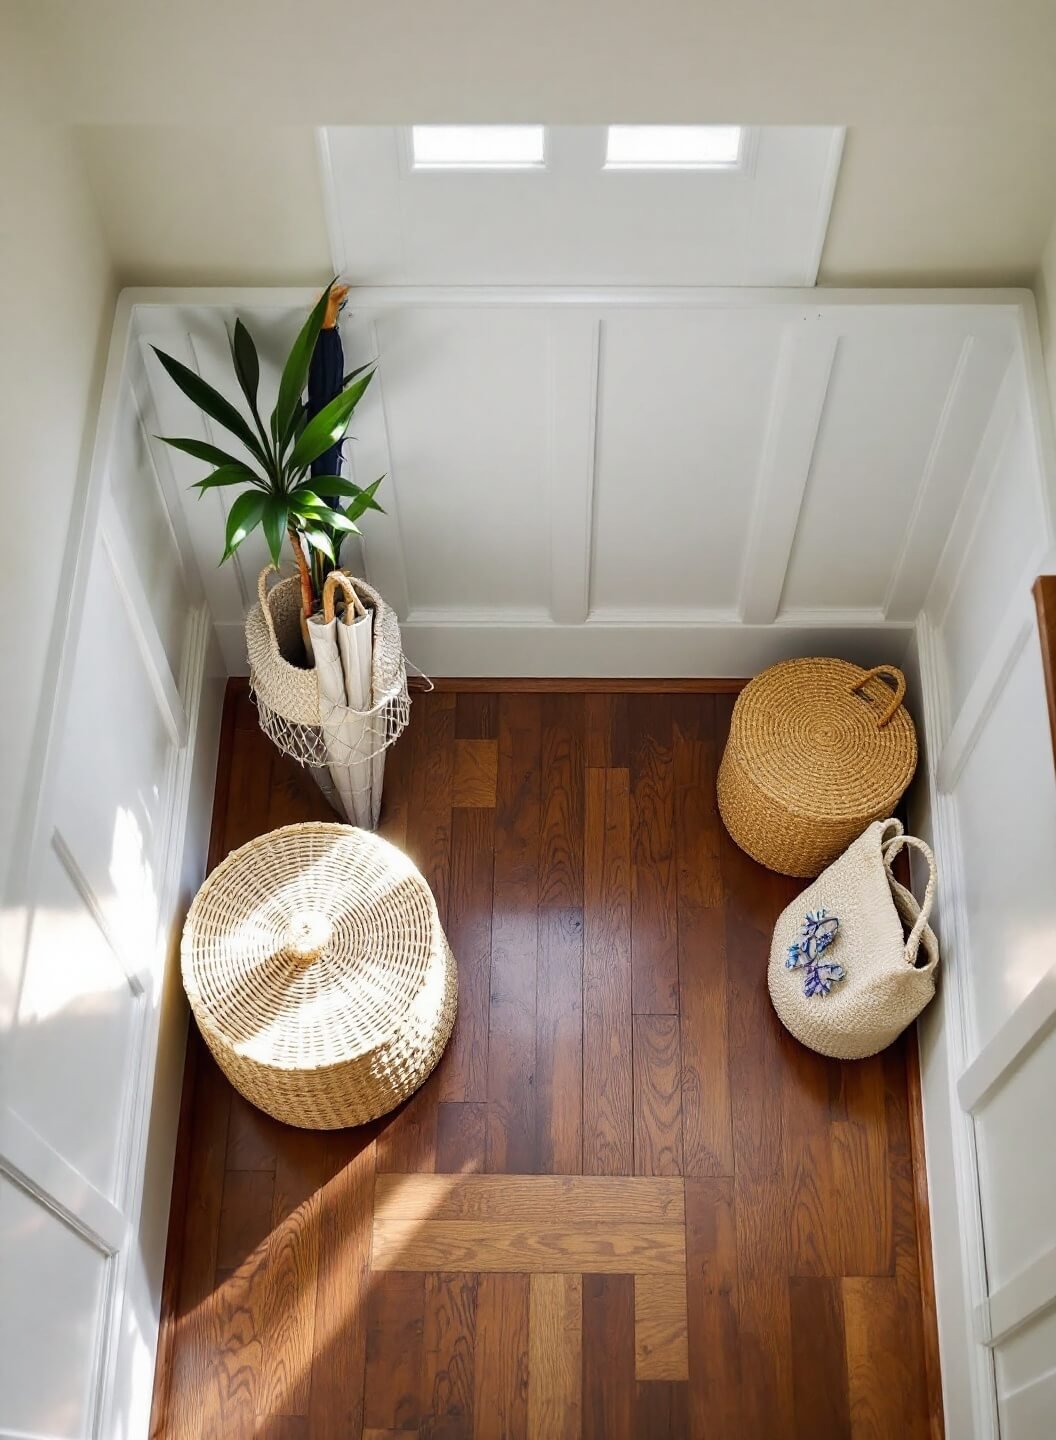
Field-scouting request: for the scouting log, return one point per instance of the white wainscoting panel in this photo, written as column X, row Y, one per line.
column 633, row 481
column 94, row 909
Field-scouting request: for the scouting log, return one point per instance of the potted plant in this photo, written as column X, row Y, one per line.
column 278, row 491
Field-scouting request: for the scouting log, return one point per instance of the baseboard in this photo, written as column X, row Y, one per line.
column 632, row 651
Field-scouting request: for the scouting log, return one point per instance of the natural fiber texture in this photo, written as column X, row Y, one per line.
column 817, row 750
column 884, row 988
column 285, row 688
column 319, row 974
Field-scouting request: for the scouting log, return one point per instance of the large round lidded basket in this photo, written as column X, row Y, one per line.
column 319, row 974
column 818, row 749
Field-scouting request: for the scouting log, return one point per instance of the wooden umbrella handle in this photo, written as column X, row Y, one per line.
column 338, row 580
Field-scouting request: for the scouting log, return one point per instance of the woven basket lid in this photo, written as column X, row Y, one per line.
column 312, row 945
column 825, row 737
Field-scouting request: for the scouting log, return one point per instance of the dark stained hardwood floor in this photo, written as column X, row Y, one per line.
column 613, row 1022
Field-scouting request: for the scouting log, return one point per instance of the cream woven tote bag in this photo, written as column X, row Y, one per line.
column 844, row 977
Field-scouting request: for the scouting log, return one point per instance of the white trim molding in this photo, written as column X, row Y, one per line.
column 1014, row 1304
column 1030, row 1022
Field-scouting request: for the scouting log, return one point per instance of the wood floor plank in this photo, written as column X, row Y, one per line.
column 231, row 1393
column 395, row 791
column 488, row 1246
column 714, row 1395
column 515, row 939
column 657, row 1098
column 753, row 903
column 862, row 1179
column 559, row 1043
column 876, row 1364
column 609, row 1387
column 395, row 1327
column 561, row 840
column 177, row 1411
column 661, row 1344
column 500, row 1376
column 555, row 1363
column 343, row 1286
column 654, row 927
column 819, row 1366
column 531, row 1199
column 431, row 793
column 764, row 1324
column 463, row 1072
column 476, row 764
column 408, row 1139
column 661, row 1410
column 449, row 1338
column 251, row 1137
column 908, row 1282
column 707, row 1114
column 433, row 766
column 476, row 715
column 461, row 1137
column 608, row 1130
column 246, row 1216
column 291, row 1270
column 605, row 734
column 807, row 1143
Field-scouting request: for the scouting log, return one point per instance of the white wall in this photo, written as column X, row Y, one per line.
column 57, row 300
column 988, row 1043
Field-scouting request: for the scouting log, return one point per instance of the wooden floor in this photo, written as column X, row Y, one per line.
column 732, row 1250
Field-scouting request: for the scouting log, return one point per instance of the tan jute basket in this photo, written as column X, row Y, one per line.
column 818, row 749
column 319, row 974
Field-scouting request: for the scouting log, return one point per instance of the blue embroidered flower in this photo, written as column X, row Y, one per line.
column 821, row 976
column 816, row 934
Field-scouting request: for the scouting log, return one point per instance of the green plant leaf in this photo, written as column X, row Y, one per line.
column 334, row 519
column 247, row 369
column 247, row 364
column 274, row 521
column 211, row 454
column 200, row 393
column 229, row 475
column 328, row 427
column 357, row 371
column 331, row 486
column 246, row 514
column 320, row 540
column 295, row 372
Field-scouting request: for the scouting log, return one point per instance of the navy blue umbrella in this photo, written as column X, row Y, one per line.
column 324, row 383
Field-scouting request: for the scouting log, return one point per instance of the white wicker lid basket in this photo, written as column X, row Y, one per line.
column 319, row 974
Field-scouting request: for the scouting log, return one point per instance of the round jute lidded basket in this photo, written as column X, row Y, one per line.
column 319, row 974
column 818, row 749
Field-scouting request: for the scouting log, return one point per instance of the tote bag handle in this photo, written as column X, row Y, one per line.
column 912, row 911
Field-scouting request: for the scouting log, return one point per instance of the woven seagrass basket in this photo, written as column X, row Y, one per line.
column 818, row 750
column 319, row 974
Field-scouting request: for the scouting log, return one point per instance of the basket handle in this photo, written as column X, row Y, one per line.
column 265, row 608
column 337, row 580
column 900, row 689
column 907, row 901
